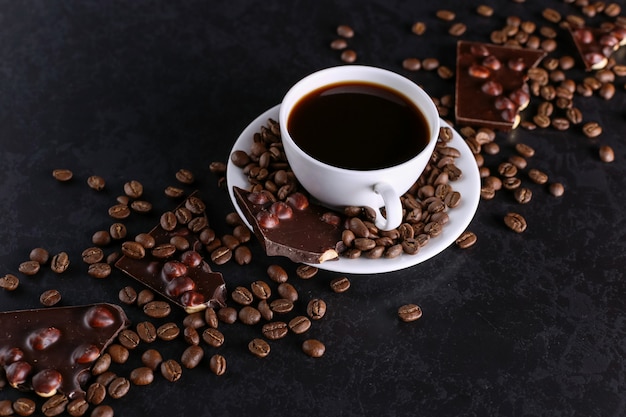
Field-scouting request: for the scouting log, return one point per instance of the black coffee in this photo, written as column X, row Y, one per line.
column 358, row 125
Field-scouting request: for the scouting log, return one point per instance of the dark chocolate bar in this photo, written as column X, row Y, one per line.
column 186, row 279
column 297, row 229
column 51, row 350
column 491, row 86
column 596, row 45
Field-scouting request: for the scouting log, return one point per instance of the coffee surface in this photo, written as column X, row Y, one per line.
column 359, row 126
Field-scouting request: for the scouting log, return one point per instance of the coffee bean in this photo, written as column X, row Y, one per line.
column 523, row 195
column 574, row 115
column 213, row 337
column 127, row 295
column 345, row 31
column 412, row 64
column 142, row 376
column 306, row 271
column 249, row 315
column 119, row 211
column 299, row 324
column 117, row 231
column 99, row 270
column 6, row 407
column 55, row 405
column 9, row 282
column 105, row 378
column 430, row 64
column 261, row 290
column 39, row 255
column 466, row 240
column 192, row 356
column 242, row 295
column 275, row 330
column 288, row 291
column 171, row 370
column 60, row 262
column 157, row 309
column 96, row 182
column 133, row 189
column 119, row 387
column 592, row 129
column 560, row 123
column 281, row 306
column 313, row 348
column 146, row 331
column 511, row 183
column 418, row 28
column 168, row 331
column 484, row 10
column 185, row 176
column 77, row 407
column 191, row 335
column 606, row 153
column 227, row 315
column 102, row 364
column 103, row 411
column 210, row 317
column 265, row 310
column 50, row 297
column 24, row 406
column 119, row 353
column 409, row 312
column 243, row 255
column 515, row 222
column 29, row 267
column 217, row 364
column 339, row 285
column 62, row 175
column 457, row 29
column 537, row 176
column 259, row 348
column 446, row 15
column 151, row 358
column 129, row 339
column 338, row 44
column 316, row 308
column 556, row 189
column 348, row 56
column 96, row 393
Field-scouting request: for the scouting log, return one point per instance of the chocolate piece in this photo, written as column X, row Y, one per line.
column 596, row 45
column 198, row 287
column 491, row 86
column 51, row 350
column 306, row 233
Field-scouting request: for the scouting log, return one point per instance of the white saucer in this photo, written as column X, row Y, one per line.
column 460, row 217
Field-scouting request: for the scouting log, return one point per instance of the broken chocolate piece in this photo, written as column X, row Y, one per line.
column 296, row 228
column 491, row 86
column 193, row 285
column 51, row 350
column 596, row 45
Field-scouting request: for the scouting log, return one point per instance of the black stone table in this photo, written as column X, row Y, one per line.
column 528, row 324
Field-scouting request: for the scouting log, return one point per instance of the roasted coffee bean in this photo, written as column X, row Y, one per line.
column 168, row 331
column 249, row 315
column 174, row 192
column 141, row 206
column 338, row 44
column 129, row 339
column 556, row 189
column 210, row 317
column 119, row 387
column 217, row 364
column 55, row 405
column 261, row 290
column 560, row 123
column 39, row 255
column 105, row 378
column 102, row 364
column 24, row 406
column 96, row 182
column 412, row 64
column 227, row 315
column 29, row 267
column 168, row 221
column 541, row 120
column 299, row 324
column 171, row 370
column 133, row 189
column 606, row 153
column 345, row 31
column 348, row 56
column 192, row 356
column 288, row 291
column 133, row 250
column 393, row 251
column 409, row 312
column 9, row 282
column 515, row 222
column 537, row 176
column 142, row 376
column 265, row 310
column 6, row 407
column 77, row 407
column 339, row 285
column 525, row 150
column 484, row 10
column 213, row 337
column 275, row 330
column 60, row 262
column 316, row 308
column 96, row 393
column 457, row 29
column 103, row 411
column 127, row 295
column 430, row 64
column 221, row 255
column 191, row 335
column 313, row 348
column 277, row 273
column 281, row 306
column 574, row 115
column 185, row 176
column 195, row 320
column 118, row 353
column 242, row 295
column 50, row 297
column 99, row 270
column 157, row 309
column 62, row 174
column 523, row 195
column 117, row 231
column 119, row 211
column 466, row 240
column 146, row 331
column 592, row 129
column 418, row 28
column 101, row 238
column 259, row 348
column 243, row 255
column 152, row 359
column 447, row 15
column 306, row 271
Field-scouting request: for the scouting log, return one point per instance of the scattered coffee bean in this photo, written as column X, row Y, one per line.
column 430, row 64
column 142, row 376
column 62, row 174
column 129, row 339
column 345, row 31
column 339, row 44
column 96, row 182
column 77, row 407
column 592, row 129
column 277, row 273
column 288, row 291
column 409, row 312
column 242, row 295
column 192, row 356
column 54, row 405
column 185, row 176
column 217, row 364
column 243, row 255
column 144, row 297
column 146, row 331
column 127, row 295
column 157, row 309
column 210, row 317
column 412, row 64
column 99, row 270
column 265, row 310
column 306, row 271
column 275, row 330
column 96, row 393
column 313, row 348
column 213, row 337
column 556, row 189
column 119, row 387
column 606, row 153
column 152, row 359
column 133, row 189
column 259, row 348
column 105, row 378
column 484, row 10
column 60, row 262
column 523, row 195
column 299, row 324
column 171, row 370
column 316, row 308
column 29, row 267
column 281, row 306
column 261, row 290
column 457, row 29
column 103, row 411
column 39, row 255
column 9, row 282
column 191, row 335
column 119, row 353
column 168, row 331
column 466, row 240
column 348, row 56
column 6, row 407
column 102, row 364
column 418, row 28
column 249, row 315
column 119, row 211
column 447, row 15
column 537, row 176
column 24, row 406
column 339, row 285
column 515, row 222
column 227, row 315
column 50, row 297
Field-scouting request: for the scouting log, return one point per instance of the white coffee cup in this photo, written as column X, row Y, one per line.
column 339, row 187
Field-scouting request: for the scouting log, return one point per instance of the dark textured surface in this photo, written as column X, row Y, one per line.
column 519, row 325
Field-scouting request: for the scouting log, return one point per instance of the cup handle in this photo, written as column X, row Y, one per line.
column 393, row 208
